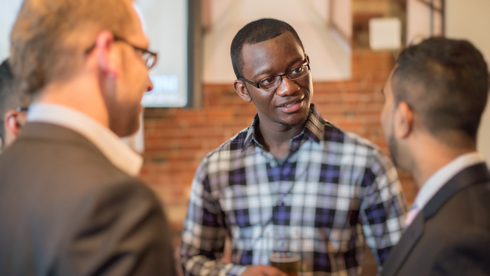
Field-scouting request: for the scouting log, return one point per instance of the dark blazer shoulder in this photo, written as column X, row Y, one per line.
column 467, row 178
column 78, row 210
column 62, row 160
column 458, row 205
column 43, row 146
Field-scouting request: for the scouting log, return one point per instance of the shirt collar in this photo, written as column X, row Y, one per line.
column 314, row 128
column 443, row 175
column 118, row 153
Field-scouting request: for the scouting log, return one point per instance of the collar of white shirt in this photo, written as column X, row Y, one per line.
column 443, row 175
column 118, row 153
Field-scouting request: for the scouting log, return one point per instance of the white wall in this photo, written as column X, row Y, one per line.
column 342, row 16
column 8, row 13
column 330, row 56
column 470, row 20
column 321, row 7
column 418, row 22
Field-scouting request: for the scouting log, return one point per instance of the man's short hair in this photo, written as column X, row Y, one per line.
column 255, row 32
column 445, row 82
column 45, row 39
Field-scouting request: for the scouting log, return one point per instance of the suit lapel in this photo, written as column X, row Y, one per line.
column 472, row 175
column 399, row 253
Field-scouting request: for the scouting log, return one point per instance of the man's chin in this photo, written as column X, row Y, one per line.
column 127, row 129
column 295, row 123
column 298, row 120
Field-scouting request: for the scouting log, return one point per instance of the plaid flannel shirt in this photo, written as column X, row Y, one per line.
column 334, row 193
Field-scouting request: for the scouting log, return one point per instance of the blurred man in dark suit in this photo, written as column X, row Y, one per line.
column 13, row 107
column 70, row 199
column 434, row 100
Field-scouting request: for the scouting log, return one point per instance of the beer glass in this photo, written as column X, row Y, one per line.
column 288, row 262
column 281, row 257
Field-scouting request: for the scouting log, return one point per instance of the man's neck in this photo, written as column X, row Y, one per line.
column 276, row 139
column 432, row 157
column 80, row 94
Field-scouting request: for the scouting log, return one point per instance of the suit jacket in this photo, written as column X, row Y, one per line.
column 66, row 210
column 451, row 235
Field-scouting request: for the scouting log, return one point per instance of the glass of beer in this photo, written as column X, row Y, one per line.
column 283, row 256
column 288, row 262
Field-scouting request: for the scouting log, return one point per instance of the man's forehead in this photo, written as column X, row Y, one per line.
column 285, row 39
column 285, row 43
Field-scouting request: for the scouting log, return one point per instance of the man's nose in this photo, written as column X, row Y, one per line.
column 150, row 85
column 287, row 87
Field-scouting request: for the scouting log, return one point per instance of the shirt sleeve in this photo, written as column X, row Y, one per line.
column 204, row 233
column 383, row 207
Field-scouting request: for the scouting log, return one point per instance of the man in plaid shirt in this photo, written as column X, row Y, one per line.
column 292, row 180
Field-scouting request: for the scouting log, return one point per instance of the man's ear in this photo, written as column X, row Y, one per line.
column 241, row 90
column 105, row 57
column 403, row 120
column 12, row 122
column 308, row 59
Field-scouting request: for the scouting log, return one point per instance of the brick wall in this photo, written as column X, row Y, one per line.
column 177, row 139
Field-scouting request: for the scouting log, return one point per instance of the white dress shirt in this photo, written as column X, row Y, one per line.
column 104, row 139
column 438, row 179
column 443, row 175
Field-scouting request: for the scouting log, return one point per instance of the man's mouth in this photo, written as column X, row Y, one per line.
column 291, row 106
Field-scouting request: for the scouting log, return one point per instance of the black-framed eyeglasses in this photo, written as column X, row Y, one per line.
column 148, row 57
column 272, row 83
